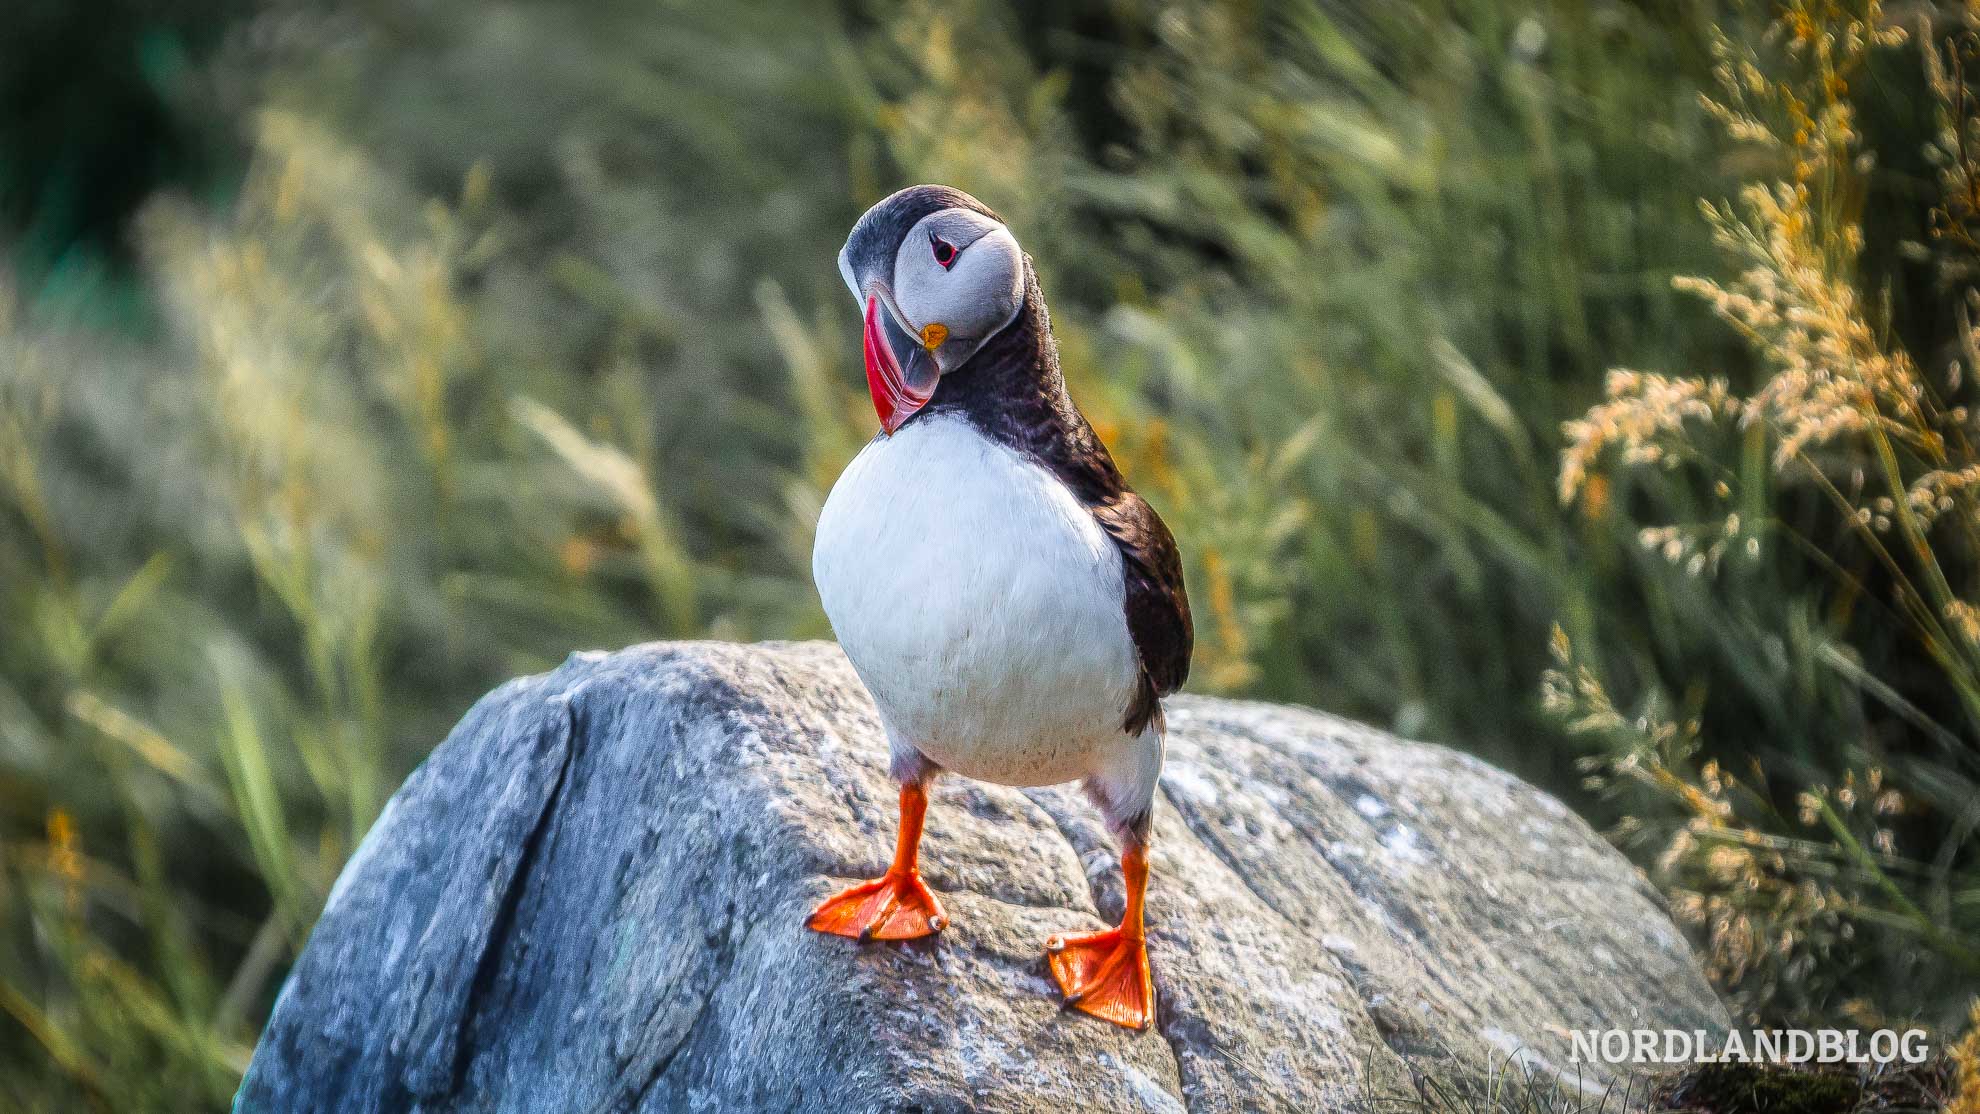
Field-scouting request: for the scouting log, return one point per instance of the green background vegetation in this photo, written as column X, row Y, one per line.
column 355, row 357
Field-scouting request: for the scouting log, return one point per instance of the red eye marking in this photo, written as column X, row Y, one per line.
column 945, row 252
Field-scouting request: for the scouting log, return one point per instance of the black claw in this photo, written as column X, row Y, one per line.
column 866, row 934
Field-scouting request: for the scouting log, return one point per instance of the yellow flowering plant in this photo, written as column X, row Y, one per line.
column 1852, row 462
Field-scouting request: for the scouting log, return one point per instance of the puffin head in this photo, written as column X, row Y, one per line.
column 936, row 274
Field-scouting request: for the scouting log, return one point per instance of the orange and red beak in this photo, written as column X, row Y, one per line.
column 900, row 371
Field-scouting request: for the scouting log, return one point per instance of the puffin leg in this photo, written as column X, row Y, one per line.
column 1106, row 973
column 896, row 905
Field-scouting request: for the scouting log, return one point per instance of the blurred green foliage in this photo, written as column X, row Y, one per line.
column 517, row 332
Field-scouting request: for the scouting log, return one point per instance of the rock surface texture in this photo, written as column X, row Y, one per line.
column 591, row 898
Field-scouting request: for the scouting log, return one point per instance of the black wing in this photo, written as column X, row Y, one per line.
column 1157, row 604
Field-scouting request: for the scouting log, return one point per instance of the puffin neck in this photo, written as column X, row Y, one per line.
column 1016, row 371
column 1013, row 391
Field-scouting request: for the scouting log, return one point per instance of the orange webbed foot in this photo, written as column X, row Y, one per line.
column 1105, row 974
column 895, row 906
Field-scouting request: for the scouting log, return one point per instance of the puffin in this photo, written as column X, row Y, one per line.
column 1014, row 608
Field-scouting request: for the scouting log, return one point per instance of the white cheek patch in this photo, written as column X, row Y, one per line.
column 976, row 295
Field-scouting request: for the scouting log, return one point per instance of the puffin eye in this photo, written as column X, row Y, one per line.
column 945, row 252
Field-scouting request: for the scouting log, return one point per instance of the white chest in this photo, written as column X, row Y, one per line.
column 980, row 604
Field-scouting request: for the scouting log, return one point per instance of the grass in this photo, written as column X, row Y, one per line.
column 519, row 334
column 1852, row 456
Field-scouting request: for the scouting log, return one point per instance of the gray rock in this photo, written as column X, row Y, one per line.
column 591, row 898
